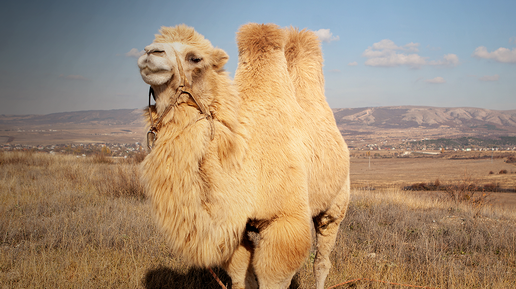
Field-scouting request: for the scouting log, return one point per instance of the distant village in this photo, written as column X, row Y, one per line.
column 400, row 148
column 119, row 150
column 404, row 147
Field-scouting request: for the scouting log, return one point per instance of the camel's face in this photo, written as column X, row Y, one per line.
column 159, row 64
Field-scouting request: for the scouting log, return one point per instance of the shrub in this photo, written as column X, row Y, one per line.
column 417, row 187
column 119, row 180
column 502, row 172
column 139, row 157
column 100, row 158
column 468, row 192
column 492, row 187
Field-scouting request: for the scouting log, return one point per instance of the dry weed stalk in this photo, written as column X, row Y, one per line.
column 469, row 192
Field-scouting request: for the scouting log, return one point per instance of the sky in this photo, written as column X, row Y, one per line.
column 58, row 56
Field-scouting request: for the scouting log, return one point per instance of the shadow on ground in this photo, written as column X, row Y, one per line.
column 165, row 278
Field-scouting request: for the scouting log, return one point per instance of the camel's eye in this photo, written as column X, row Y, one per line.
column 195, row 59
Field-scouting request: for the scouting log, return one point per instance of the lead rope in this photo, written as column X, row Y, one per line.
column 152, row 133
column 217, row 278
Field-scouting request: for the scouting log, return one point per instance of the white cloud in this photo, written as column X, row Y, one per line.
column 386, row 44
column 395, row 59
column 451, row 59
column 387, row 54
column 448, row 60
column 135, row 53
column 75, row 77
column 326, row 36
column 411, row 47
column 436, row 80
column 512, row 40
column 389, row 45
column 502, row 54
column 354, row 63
column 335, row 70
column 489, row 78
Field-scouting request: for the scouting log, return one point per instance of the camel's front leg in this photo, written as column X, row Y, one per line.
column 283, row 246
column 239, row 267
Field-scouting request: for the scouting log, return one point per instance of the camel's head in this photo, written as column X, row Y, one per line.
column 178, row 48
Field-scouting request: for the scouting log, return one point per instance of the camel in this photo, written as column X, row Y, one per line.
column 260, row 153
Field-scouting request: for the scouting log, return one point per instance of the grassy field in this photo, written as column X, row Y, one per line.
column 84, row 223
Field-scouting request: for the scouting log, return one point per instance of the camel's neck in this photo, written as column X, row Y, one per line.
column 163, row 95
column 185, row 179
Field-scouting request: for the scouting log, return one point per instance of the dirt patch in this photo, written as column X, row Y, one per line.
column 401, row 172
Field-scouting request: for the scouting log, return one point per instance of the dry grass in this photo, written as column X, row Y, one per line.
column 63, row 224
column 74, row 222
column 401, row 237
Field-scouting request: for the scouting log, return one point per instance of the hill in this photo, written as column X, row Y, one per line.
column 398, row 124
column 433, row 117
column 93, row 126
column 101, row 117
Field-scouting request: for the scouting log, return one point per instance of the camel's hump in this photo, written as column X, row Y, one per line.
column 255, row 37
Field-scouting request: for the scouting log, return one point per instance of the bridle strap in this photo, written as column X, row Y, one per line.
column 184, row 87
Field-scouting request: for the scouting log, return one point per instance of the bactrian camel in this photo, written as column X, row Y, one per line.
column 261, row 153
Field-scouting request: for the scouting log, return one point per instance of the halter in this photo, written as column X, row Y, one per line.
column 184, row 88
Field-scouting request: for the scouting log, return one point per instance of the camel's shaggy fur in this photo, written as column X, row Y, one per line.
column 277, row 162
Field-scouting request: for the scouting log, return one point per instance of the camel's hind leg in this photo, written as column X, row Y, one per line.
column 327, row 227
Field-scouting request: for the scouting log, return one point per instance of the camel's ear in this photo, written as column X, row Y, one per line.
column 219, row 58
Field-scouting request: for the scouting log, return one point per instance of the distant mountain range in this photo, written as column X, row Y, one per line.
column 354, row 123
column 381, row 117
column 424, row 116
column 98, row 117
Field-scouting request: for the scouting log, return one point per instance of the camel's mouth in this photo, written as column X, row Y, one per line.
column 148, row 71
column 155, row 75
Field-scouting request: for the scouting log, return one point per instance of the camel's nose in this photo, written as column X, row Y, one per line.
column 156, row 49
column 155, row 58
column 156, row 52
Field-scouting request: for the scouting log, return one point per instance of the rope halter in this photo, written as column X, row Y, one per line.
column 183, row 88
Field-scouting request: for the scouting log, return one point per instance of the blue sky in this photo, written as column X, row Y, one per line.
column 60, row 56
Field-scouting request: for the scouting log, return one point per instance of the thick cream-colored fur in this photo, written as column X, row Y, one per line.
column 329, row 166
column 277, row 162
